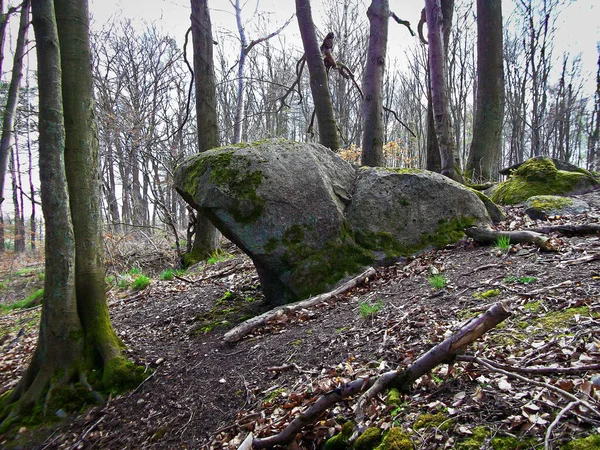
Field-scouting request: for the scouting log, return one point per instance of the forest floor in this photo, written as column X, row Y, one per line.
column 203, row 393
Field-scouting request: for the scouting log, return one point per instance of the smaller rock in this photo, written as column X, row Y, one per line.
column 541, row 207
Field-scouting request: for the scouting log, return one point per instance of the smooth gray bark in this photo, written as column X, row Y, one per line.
column 373, row 135
column 328, row 135
column 486, row 148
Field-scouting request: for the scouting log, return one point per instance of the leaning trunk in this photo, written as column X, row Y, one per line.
column 372, row 144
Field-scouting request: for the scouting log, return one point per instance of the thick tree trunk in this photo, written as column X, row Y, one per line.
column 319, row 88
column 439, row 91
column 75, row 335
column 484, row 158
column 60, row 342
column 206, row 238
column 372, row 143
column 82, row 168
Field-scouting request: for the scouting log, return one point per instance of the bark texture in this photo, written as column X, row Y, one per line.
column 486, row 148
column 206, row 237
column 328, row 135
column 76, row 336
column 373, row 135
column 60, row 342
column 82, row 166
column 439, row 91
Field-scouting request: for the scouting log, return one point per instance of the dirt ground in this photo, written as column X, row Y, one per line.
column 205, row 394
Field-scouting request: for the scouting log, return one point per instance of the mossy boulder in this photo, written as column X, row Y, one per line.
column 309, row 219
column 543, row 206
column 539, row 176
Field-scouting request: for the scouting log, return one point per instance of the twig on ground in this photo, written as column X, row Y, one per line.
column 243, row 329
column 142, row 383
column 84, row 435
column 582, row 260
column 548, row 386
column 556, row 421
column 539, row 370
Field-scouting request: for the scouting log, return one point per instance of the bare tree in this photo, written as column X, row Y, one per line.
column 486, row 148
column 206, row 238
column 439, row 92
column 8, row 119
column 328, row 135
column 372, row 142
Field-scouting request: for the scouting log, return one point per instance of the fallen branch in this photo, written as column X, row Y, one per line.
column 582, row 260
column 487, row 236
column 570, row 230
column 556, row 421
column 400, row 378
column 543, row 290
column 539, row 370
column 548, row 386
column 235, row 334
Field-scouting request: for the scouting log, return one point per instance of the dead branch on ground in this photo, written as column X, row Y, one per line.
column 237, row 333
column 536, row 370
column 570, row 230
column 486, row 236
column 444, row 352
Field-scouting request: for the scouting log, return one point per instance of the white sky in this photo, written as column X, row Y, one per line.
column 578, row 27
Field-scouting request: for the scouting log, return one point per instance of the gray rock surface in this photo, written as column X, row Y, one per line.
column 543, row 206
column 308, row 219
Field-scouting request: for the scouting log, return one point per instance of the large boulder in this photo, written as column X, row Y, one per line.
column 540, row 176
column 307, row 218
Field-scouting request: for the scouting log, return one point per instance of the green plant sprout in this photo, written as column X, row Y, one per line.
column 218, row 256
column 140, row 282
column 438, row 281
column 503, row 242
column 368, row 311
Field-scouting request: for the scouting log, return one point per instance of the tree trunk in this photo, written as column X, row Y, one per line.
column 76, row 337
column 60, row 342
column 372, row 143
column 82, row 168
column 319, row 88
column 486, row 148
column 439, row 91
column 206, row 237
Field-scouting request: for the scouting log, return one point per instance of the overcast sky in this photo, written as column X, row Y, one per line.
column 578, row 26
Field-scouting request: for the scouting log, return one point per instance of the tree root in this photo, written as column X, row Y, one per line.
column 401, row 379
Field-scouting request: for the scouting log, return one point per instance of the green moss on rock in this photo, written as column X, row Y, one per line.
column 438, row 420
column 549, row 202
column 475, row 441
column 540, row 177
column 591, row 442
column 370, row 439
column 233, row 173
column 396, row 439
